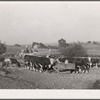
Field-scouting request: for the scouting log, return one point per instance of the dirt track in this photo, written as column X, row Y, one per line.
column 25, row 79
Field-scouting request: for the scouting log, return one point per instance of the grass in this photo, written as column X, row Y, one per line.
column 92, row 49
column 25, row 79
column 14, row 49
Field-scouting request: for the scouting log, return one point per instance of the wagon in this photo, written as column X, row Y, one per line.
column 64, row 67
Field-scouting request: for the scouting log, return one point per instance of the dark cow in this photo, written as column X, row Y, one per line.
column 14, row 61
column 2, row 58
column 38, row 63
column 95, row 62
column 71, row 60
column 8, row 61
column 47, row 63
column 82, row 64
column 27, row 60
column 31, row 62
column 62, row 60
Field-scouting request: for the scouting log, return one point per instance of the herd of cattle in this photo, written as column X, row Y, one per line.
column 46, row 63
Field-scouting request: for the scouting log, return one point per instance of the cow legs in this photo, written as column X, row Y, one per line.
column 34, row 66
column 39, row 67
column 83, row 69
column 29, row 67
column 7, row 64
column 26, row 64
column 96, row 65
column 76, row 69
column 87, row 68
column 79, row 69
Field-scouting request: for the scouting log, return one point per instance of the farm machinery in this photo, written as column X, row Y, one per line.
column 62, row 67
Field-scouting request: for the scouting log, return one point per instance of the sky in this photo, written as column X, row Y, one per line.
column 26, row 22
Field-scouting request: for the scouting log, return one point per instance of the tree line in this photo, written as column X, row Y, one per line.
column 41, row 45
column 66, row 49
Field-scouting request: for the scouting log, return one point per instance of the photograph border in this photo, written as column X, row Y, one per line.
column 48, row 94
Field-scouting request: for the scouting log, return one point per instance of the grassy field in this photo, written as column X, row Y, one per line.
column 92, row 49
column 14, row 49
column 22, row 78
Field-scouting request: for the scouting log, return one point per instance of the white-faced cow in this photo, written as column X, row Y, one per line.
column 38, row 63
column 62, row 60
column 95, row 62
column 82, row 65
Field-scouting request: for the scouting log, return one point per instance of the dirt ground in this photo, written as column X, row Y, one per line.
column 23, row 78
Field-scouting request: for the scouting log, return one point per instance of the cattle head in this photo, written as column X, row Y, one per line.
column 57, row 60
column 52, row 62
column 48, row 56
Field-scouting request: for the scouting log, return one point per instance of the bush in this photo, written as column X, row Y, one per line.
column 89, row 42
column 94, row 42
column 74, row 50
column 62, row 43
column 96, row 85
column 18, row 45
column 2, row 48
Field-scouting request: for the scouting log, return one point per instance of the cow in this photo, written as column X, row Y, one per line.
column 46, row 62
column 95, row 62
column 8, row 61
column 62, row 60
column 31, row 62
column 39, row 63
column 90, row 63
column 2, row 58
column 81, row 64
column 71, row 60
column 27, row 60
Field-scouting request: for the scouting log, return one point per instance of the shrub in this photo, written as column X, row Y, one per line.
column 62, row 43
column 18, row 45
column 74, row 50
column 2, row 48
column 89, row 42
